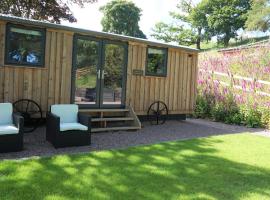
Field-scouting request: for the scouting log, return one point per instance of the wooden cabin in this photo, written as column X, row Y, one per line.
column 104, row 73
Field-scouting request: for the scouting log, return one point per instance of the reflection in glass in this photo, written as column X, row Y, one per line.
column 113, row 74
column 156, row 61
column 25, row 46
column 86, row 71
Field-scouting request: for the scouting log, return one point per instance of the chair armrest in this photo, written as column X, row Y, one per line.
column 53, row 121
column 85, row 120
column 18, row 121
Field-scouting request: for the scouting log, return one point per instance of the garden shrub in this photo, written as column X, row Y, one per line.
column 265, row 117
column 253, row 118
column 226, row 98
column 202, row 108
column 218, row 112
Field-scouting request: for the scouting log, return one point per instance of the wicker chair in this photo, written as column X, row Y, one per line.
column 11, row 129
column 67, row 127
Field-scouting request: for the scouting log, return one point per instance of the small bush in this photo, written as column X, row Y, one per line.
column 234, row 118
column 265, row 117
column 202, row 108
column 253, row 118
column 218, row 112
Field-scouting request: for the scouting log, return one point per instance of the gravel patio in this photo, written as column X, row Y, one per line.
column 36, row 145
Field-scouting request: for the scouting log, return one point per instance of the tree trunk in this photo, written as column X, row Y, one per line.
column 226, row 39
column 198, row 41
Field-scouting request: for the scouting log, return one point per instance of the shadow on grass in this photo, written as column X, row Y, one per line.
column 187, row 170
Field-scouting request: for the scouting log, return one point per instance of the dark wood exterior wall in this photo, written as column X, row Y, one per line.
column 52, row 83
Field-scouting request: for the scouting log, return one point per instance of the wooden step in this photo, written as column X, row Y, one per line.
column 95, row 130
column 111, row 119
column 105, row 110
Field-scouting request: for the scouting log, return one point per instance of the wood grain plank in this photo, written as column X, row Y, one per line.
column 58, row 66
column 129, row 74
column 167, row 81
column 45, row 74
column 180, row 81
column 133, row 78
column 189, row 82
column 52, row 70
column 171, row 77
column 138, row 83
column 185, row 81
column 176, row 79
column 142, row 79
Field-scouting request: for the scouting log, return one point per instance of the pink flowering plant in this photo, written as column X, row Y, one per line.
column 234, row 87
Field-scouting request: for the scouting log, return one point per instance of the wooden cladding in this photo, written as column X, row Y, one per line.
column 46, row 86
column 52, row 84
column 177, row 89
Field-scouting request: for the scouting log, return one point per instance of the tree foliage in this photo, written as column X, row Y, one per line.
column 47, row 10
column 201, row 21
column 122, row 17
column 225, row 18
column 259, row 16
column 187, row 28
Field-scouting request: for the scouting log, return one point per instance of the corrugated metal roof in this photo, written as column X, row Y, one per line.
column 21, row 20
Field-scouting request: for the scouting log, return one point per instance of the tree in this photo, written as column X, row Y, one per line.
column 189, row 27
column 225, row 18
column 122, row 17
column 47, row 10
column 259, row 16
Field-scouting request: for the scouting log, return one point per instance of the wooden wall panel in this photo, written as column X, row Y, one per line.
column 52, row 83
column 177, row 89
column 48, row 85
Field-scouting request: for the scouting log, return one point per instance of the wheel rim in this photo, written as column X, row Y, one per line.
column 157, row 113
column 30, row 111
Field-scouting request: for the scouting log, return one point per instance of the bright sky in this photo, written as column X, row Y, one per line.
column 153, row 11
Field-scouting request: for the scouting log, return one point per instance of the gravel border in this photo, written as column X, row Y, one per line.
column 35, row 144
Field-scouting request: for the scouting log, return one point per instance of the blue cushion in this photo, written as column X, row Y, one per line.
column 72, row 126
column 6, row 113
column 8, row 129
column 68, row 113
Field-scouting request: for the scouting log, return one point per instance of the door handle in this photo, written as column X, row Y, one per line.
column 102, row 76
column 98, row 73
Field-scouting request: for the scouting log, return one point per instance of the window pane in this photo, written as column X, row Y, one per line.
column 113, row 73
column 87, row 57
column 25, row 46
column 156, row 61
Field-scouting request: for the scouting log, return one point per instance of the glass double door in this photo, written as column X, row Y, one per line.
column 99, row 68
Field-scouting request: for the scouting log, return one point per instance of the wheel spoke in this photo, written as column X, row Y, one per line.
column 153, row 110
column 31, row 112
column 163, row 109
column 27, row 106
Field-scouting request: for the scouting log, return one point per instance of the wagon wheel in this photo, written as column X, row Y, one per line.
column 30, row 111
column 157, row 113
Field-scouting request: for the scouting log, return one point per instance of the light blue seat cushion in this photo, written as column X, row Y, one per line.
column 72, row 126
column 8, row 129
column 68, row 113
column 6, row 113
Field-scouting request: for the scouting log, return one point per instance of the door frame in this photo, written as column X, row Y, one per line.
column 100, row 83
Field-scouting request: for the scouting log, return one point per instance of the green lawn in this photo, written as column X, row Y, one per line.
column 221, row 167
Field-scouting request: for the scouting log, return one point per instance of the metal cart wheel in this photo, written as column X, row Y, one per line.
column 30, row 111
column 157, row 113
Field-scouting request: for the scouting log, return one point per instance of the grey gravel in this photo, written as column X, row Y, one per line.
column 35, row 144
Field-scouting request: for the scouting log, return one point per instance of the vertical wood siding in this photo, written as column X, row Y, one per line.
column 177, row 89
column 48, row 85
column 52, row 84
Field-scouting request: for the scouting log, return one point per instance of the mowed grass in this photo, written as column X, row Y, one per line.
column 220, row 167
